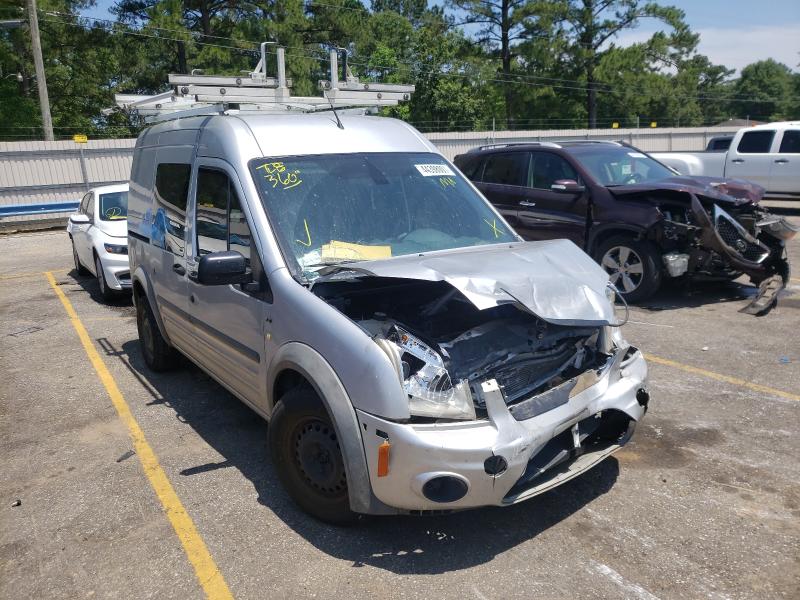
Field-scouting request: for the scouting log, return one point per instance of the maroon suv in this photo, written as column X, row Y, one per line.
column 637, row 217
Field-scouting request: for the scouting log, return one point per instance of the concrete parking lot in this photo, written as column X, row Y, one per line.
column 704, row 503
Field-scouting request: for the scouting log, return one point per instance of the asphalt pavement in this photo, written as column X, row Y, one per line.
column 704, row 503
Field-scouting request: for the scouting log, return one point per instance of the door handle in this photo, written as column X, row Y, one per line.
column 179, row 269
column 737, row 160
column 781, row 161
column 526, row 203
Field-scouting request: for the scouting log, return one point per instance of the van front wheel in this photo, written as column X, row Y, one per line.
column 306, row 454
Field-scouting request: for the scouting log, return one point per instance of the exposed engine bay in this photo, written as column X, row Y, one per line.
column 443, row 346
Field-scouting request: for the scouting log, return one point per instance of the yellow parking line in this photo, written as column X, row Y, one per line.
column 719, row 377
column 205, row 568
column 794, row 279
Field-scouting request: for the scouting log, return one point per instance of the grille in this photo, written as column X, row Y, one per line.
column 522, row 377
column 732, row 237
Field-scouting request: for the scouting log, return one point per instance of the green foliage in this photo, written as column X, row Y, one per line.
column 476, row 64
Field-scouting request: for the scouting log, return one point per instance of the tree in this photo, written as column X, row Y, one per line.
column 764, row 91
column 592, row 23
column 502, row 23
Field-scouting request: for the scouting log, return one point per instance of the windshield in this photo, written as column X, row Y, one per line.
column 335, row 208
column 114, row 206
column 619, row 165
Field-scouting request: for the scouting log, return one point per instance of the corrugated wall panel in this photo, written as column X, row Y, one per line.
column 34, row 172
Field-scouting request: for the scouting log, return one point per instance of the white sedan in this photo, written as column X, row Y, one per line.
column 99, row 234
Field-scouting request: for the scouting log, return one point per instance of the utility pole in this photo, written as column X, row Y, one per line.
column 41, row 81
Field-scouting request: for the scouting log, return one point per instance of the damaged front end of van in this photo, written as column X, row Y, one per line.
column 511, row 358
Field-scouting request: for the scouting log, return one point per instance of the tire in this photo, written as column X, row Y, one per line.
column 79, row 268
column 307, row 457
column 633, row 266
column 158, row 355
column 106, row 292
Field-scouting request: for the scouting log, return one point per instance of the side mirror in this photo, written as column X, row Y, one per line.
column 223, row 268
column 79, row 219
column 567, row 186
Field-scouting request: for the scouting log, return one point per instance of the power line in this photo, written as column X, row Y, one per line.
column 518, row 79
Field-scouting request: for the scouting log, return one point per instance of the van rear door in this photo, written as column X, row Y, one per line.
column 784, row 177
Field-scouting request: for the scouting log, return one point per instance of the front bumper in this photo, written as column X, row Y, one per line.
column 116, row 268
column 459, row 451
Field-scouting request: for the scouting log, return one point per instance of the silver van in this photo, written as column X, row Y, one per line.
column 346, row 282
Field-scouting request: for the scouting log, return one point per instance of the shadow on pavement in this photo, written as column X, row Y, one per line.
column 91, row 287
column 401, row 544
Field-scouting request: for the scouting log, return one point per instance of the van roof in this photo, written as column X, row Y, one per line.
column 777, row 125
column 301, row 134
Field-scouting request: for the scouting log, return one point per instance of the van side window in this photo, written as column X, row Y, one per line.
column 507, row 168
column 790, row 144
column 755, row 142
column 172, row 188
column 220, row 222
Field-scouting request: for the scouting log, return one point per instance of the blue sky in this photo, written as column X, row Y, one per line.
column 732, row 32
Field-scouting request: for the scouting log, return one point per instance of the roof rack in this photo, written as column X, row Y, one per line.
column 507, row 144
column 258, row 91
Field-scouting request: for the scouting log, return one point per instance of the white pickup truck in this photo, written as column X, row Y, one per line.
column 768, row 155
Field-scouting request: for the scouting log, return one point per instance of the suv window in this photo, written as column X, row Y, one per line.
column 220, row 223
column 548, row 168
column 172, row 187
column 471, row 167
column 90, row 205
column 507, row 168
column 756, row 142
column 790, row 144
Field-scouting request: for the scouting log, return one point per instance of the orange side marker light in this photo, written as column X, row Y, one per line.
column 383, row 458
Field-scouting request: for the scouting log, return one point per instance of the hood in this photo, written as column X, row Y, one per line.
column 555, row 280
column 115, row 228
column 725, row 191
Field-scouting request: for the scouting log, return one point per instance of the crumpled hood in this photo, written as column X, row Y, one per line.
column 555, row 280
column 725, row 191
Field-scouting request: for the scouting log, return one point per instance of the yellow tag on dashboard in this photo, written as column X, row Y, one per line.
column 337, row 250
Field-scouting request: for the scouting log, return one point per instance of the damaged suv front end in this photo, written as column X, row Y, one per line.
column 710, row 228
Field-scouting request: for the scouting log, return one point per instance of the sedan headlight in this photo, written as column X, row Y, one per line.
column 421, row 371
column 116, row 248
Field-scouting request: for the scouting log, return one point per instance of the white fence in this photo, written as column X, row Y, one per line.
column 40, row 173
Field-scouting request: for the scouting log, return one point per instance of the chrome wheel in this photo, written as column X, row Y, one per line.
column 624, row 267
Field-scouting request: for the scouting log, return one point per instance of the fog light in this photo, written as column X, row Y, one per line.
column 444, row 488
column 495, row 465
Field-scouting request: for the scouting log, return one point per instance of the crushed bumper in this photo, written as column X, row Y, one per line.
column 536, row 454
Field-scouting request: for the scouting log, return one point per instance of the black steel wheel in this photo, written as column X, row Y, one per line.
column 158, row 354
column 307, row 457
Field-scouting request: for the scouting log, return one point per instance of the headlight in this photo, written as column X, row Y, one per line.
column 116, row 248
column 421, row 371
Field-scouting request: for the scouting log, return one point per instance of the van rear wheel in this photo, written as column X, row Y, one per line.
column 307, row 456
column 158, row 354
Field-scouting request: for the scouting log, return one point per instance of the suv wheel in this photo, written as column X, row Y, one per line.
column 158, row 354
column 632, row 265
column 307, row 457
column 79, row 268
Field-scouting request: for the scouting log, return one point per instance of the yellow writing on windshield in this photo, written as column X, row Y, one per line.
column 277, row 174
column 308, row 236
column 497, row 230
column 446, row 182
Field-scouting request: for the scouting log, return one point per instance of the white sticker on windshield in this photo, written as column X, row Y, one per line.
column 636, row 155
column 437, row 170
